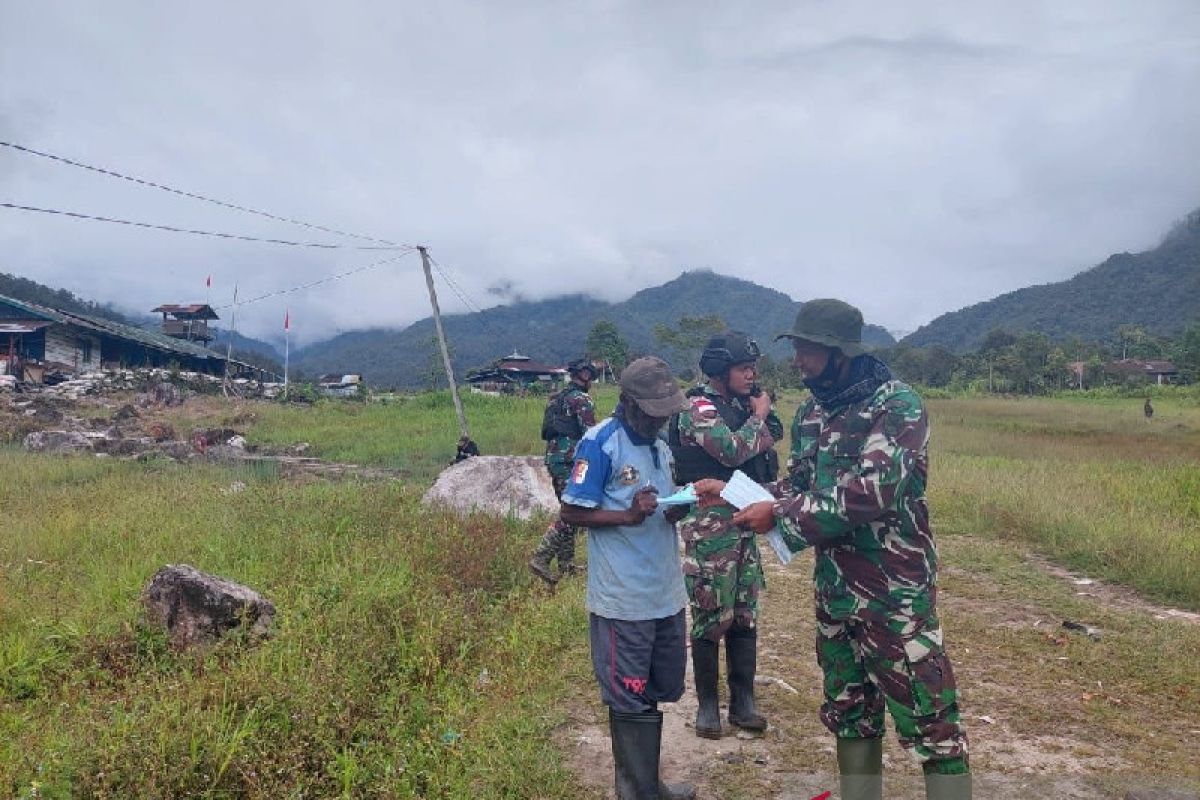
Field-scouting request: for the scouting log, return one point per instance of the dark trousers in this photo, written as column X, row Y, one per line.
column 639, row 663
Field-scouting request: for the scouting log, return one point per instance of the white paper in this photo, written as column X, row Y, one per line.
column 741, row 491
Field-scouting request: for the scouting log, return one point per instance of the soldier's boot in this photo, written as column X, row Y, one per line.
column 636, row 742
column 947, row 780
column 860, row 768
column 705, row 669
column 540, row 563
column 741, row 655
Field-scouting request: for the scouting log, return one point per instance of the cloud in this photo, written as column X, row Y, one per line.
column 914, row 159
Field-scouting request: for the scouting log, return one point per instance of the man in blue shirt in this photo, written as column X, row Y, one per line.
column 635, row 594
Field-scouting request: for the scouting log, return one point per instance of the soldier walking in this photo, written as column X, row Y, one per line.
column 728, row 425
column 1148, row 409
column 568, row 415
column 855, row 493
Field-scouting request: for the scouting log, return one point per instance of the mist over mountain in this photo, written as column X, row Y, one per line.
column 1158, row 289
column 554, row 330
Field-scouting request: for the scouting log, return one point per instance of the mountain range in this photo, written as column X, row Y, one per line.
column 554, row 330
column 1158, row 289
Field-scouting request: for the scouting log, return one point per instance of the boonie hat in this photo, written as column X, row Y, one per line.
column 649, row 383
column 829, row 322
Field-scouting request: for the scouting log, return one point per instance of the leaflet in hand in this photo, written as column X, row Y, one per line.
column 741, row 491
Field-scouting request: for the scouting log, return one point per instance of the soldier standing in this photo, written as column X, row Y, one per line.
column 569, row 414
column 1148, row 409
column 729, row 425
column 856, row 494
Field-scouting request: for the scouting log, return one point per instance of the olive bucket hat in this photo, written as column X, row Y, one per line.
column 832, row 323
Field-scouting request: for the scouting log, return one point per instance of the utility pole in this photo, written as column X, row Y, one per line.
column 437, row 323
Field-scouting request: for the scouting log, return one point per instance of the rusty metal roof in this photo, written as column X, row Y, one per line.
column 193, row 311
column 23, row 326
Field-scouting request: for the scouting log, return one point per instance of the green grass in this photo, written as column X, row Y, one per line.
column 388, row 615
column 416, row 434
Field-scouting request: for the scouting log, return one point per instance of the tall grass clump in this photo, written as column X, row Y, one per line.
column 410, row 657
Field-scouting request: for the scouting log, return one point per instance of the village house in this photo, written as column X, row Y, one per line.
column 514, row 373
column 38, row 343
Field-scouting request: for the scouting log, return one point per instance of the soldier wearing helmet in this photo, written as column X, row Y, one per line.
column 855, row 494
column 569, row 414
column 729, row 425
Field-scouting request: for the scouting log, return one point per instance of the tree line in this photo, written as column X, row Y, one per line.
column 1024, row 362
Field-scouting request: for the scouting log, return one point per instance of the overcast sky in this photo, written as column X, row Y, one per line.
column 910, row 157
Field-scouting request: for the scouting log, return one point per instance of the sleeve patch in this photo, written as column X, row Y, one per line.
column 579, row 473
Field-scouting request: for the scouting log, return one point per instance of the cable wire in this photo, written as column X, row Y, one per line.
column 192, row 195
column 318, row 282
column 173, row 229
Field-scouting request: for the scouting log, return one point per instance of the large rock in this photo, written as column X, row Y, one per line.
column 1158, row 793
column 57, row 442
column 198, row 608
column 500, row 485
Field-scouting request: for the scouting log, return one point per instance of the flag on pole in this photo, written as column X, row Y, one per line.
column 287, row 319
column 208, row 282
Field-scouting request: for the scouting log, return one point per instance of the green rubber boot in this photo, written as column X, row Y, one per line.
column 860, row 768
column 947, row 780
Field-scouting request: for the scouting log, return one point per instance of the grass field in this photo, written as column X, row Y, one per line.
column 413, row 656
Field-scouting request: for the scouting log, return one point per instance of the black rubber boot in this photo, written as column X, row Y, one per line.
column 944, row 781
column 741, row 646
column 860, row 768
column 636, row 739
column 705, row 670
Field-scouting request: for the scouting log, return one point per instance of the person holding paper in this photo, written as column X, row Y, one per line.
column 728, row 425
column 635, row 594
column 855, row 493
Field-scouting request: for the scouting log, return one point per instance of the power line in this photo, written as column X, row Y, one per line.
column 454, row 287
column 192, row 195
column 319, row 281
column 173, row 229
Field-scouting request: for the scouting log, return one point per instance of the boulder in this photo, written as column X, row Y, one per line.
column 166, row 394
column 499, row 485
column 1161, row 794
column 57, row 442
column 197, row 608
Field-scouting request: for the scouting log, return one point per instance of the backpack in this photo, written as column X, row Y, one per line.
column 557, row 419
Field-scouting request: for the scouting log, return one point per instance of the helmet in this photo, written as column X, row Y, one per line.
column 726, row 349
column 579, row 365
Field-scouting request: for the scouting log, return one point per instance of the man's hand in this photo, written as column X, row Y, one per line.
column 760, row 405
column 758, row 517
column 708, row 492
column 645, row 503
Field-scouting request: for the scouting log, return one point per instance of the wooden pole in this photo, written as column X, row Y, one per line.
column 441, row 335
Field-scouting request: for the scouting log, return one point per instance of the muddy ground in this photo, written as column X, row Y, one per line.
column 1050, row 711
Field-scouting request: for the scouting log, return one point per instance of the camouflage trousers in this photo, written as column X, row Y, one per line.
column 722, row 570
column 559, row 540
column 878, row 658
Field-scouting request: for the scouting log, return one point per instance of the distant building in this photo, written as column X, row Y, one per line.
column 38, row 342
column 335, row 385
column 1155, row 371
column 187, row 322
column 515, row 372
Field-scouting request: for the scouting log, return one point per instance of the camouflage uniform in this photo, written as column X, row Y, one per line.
column 856, row 494
column 559, row 539
column 722, row 567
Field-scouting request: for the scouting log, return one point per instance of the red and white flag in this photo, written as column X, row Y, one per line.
column 287, row 319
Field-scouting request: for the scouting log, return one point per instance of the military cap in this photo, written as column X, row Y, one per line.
column 828, row 322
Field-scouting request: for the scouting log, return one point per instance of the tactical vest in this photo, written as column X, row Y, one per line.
column 557, row 419
column 693, row 462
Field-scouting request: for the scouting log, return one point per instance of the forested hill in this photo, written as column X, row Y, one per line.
column 554, row 331
column 1158, row 290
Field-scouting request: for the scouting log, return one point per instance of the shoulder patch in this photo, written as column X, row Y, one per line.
column 579, row 472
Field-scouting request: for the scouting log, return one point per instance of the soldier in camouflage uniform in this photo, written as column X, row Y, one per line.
column 729, row 425
column 856, row 494
column 569, row 414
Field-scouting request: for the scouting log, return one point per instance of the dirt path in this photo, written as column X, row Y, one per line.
column 1051, row 712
